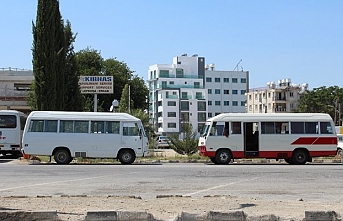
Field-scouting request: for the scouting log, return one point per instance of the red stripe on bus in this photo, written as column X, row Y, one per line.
column 326, row 140
column 304, row 141
column 315, row 141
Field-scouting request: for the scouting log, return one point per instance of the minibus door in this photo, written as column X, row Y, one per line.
column 251, row 139
column 131, row 137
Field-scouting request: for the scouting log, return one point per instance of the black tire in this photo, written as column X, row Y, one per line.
column 300, row 157
column 213, row 160
column 289, row 161
column 126, row 156
column 62, row 156
column 339, row 152
column 223, row 157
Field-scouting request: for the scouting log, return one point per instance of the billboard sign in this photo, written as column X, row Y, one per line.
column 96, row 84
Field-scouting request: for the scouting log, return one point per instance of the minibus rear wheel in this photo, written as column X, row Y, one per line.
column 300, row 157
column 62, row 156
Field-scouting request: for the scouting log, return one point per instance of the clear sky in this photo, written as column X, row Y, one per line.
column 276, row 39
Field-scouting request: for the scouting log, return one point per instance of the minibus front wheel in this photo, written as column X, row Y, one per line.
column 223, row 156
column 126, row 156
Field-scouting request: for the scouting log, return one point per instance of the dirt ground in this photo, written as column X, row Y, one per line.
column 166, row 208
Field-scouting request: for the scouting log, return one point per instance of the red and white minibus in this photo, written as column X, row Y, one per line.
column 294, row 137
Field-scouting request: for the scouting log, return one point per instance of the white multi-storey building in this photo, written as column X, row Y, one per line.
column 226, row 90
column 14, row 86
column 275, row 98
column 177, row 94
column 188, row 91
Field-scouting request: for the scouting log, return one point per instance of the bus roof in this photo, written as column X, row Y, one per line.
column 11, row 112
column 72, row 115
column 270, row 117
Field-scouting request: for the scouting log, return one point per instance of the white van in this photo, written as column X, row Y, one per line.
column 12, row 123
column 66, row 135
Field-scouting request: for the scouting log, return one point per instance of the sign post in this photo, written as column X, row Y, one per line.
column 96, row 85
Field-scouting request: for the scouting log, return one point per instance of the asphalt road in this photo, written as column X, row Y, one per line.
column 264, row 181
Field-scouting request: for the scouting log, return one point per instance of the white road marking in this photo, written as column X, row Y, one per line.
column 224, row 185
column 56, row 182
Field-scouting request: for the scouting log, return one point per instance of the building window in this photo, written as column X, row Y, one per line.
column 217, row 80
column 255, row 96
column 217, row 91
column 184, row 105
column 171, row 82
column 209, row 91
column 184, row 95
column 217, row 103
column 256, row 107
column 171, row 103
column 159, row 103
column 249, row 96
column 226, row 80
column 202, row 117
column 201, row 106
column 164, row 73
column 243, row 80
column 198, row 95
column 269, row 94
column 226, row 103
column 250, row 108
column 179, row 72
column 226, row 91
column 208, row 79
column 291, row 94
column 234, row 80
column 269, row 106
column 196, row 84
column 234, row 103
column 185, row 117
column 242, row 92
column 171, row 114
column 209, row 115
column 243, row 103
column 171, row 125
column 209, row 103
column 234, row 92
column 216, row 114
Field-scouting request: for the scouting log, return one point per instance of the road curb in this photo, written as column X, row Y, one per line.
column 112, row 215
column 29, row 215
column 118, row 216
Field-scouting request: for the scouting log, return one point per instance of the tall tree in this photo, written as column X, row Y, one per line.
column 124, row 103
column 48, row 57
column 73, row 98
column 323, row 100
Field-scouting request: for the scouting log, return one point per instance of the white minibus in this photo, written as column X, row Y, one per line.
column 66, row 135
column 12, row 123
column 294, row 137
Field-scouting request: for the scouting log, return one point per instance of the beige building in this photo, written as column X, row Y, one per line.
column 14, row 86
column 275, row 98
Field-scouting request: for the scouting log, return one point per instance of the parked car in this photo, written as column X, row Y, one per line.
column 162, row 142
column 340, row 144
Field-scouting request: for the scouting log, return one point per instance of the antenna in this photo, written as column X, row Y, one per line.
column 237, row 65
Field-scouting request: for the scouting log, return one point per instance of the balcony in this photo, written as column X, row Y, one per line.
column 172, row 96
column 175, row 86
